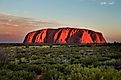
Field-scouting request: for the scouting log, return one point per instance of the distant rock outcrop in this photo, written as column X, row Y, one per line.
column 64, row 36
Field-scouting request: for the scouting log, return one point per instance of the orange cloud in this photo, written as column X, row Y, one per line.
column 14, row 29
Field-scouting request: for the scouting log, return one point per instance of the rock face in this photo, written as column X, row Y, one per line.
column 64, row 36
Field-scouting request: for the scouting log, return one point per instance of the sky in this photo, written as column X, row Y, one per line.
column 99, row 15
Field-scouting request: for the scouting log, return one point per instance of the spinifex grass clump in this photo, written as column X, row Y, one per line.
column 3, row 57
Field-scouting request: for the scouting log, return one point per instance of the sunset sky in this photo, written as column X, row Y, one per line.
column 18, row 17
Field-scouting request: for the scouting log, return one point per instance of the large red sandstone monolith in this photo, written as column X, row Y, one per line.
column 64, row 36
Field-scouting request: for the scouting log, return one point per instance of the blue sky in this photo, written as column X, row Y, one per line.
column 101, row 15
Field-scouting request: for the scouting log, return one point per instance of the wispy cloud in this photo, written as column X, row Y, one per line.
column 107, row 3
column 111, row 3
column 103, row 3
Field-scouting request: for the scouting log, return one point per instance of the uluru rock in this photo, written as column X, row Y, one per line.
column 64, row 36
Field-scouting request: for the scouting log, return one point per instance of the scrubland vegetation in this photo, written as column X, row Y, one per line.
column 66, row 62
